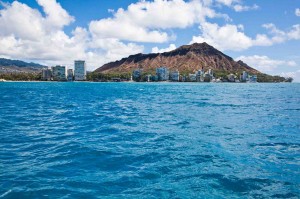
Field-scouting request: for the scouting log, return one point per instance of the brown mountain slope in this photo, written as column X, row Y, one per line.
column 187, row 58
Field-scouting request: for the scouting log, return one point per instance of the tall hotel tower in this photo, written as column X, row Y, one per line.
column 80, row 71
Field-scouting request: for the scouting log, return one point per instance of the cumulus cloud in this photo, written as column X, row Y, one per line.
column 21, row 21
column 232, row 37
column 279, row 36
column 265, row 64
column 109, row 28
column 56, row 15
column 227, row 2
column 145, row 21
column 113, row 49
column 27, row 34
column 228, row 37
column 297, row 12
column 294, row 33
column 170, row 48
column 237, row 5
column 241, row 8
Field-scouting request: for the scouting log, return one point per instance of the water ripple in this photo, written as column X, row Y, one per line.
column 164, row 140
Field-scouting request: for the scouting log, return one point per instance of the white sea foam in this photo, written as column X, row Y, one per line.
column 6, row 193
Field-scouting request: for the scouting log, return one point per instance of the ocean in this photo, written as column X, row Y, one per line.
column 149, row 140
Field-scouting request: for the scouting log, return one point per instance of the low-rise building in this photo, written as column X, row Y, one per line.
column 174, row 76
column 59, row 73
column 154, row 78
column 207, row 77
column 148, row 78
column 253, row 79
column 137, row 74
column 210, row 72
column 199, row 76
column 162, row 73
column 70, row 75
column 231, row 77
column 46, row 74
column 244, row 77
column 116, row 79
column 192, row 77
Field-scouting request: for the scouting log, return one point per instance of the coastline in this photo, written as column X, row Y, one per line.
column 169, row 82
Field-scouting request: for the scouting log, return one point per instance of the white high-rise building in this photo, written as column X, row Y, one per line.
column 80, row 71
column 59, row 73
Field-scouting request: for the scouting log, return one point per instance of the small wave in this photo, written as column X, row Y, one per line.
column 149, row 141
column 6, row 193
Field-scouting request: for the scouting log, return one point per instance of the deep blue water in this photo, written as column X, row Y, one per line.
column 149, row 140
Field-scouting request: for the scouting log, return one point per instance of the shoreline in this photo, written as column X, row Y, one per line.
column 142, row 82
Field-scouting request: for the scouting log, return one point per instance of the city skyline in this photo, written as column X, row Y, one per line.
column 265, row 35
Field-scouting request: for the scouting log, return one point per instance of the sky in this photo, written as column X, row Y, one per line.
column 265, row 34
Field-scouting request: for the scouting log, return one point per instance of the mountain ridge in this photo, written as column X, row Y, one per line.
column 186, row 58
column 18, row 66
column 18, row 63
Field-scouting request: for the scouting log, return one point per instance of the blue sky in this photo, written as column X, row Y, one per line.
column 263, row 33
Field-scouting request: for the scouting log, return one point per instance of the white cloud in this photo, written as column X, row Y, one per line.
column 237, row 5
column 294, row 33
column 272, row 29
column 262, row 40
column 241, row 8
column 108, row 28
column 227, row 2
column 170, row 48
column 144, row 21
column 228, row 37
column 297, row 12
column 279, row 36
column 266, row 64
column 26, row 34
column 114, row 49
column 232, row 37
column 56, row 15
column 21, row 21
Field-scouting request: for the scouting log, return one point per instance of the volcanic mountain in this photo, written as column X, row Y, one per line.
column 17, row 66
column 187, row 58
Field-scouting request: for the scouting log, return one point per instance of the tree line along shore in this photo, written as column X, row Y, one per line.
column 111, row 77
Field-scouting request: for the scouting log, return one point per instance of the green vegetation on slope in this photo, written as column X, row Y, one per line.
column 21, row 76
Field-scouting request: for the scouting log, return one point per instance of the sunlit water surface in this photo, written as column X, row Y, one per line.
column 149, row 140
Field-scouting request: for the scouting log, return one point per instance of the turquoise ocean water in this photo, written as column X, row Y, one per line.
column 149, row 140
